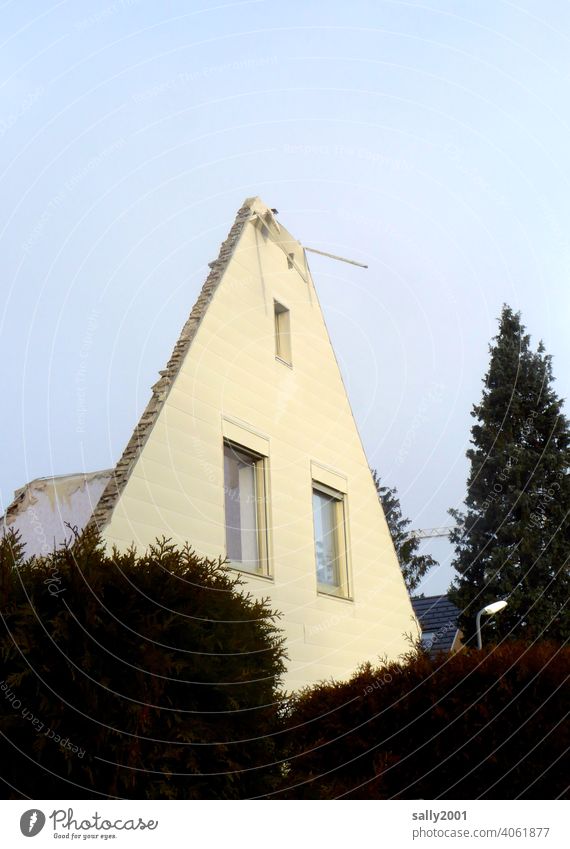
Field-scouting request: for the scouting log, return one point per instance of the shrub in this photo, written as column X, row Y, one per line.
column 487, row 724
column 134, row 676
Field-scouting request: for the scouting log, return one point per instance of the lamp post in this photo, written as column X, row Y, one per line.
column 490, row 610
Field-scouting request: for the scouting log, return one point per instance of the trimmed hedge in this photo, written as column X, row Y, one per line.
column 490, row 724
column 134, row 676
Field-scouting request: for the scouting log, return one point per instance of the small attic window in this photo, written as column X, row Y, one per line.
column 282, row 332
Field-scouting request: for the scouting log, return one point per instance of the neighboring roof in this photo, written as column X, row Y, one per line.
column 47, row 512
column 102, row 513
column 437, row 616
column 66, row 483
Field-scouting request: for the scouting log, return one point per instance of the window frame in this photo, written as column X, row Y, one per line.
column 343, row 589
column 261, row 482
column 282, row 334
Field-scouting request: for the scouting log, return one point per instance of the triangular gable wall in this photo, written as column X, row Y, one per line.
column 116, row 485
column 224, row 382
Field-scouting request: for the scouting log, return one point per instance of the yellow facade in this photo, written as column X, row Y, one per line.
column 232, row 386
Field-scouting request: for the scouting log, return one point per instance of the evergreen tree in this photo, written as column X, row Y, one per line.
column 414, row 566
column 512, row 539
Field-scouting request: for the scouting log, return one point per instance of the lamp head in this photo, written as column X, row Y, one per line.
column 495, row 607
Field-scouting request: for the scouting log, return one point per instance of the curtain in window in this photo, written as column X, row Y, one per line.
column 325, row 513
column 241, row 508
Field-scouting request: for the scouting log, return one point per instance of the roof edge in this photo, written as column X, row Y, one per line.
column 36, row 484
column 104, row 510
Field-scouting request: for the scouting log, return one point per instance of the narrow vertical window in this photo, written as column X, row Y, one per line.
column 330, row 540
column 282, row 332
column 245, row 509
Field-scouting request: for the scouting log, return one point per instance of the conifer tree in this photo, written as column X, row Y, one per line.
column 512, row 540
column 414, row 566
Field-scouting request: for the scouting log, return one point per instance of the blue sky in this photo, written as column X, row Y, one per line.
column 428, row 140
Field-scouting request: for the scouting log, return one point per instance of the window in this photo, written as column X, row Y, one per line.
column 330, row 540
column 428, row 639
column 245, row 507
column 282, row 332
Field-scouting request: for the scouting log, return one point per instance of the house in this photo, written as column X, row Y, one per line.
column 248, row 449
column 438, row 617
column 46, row 510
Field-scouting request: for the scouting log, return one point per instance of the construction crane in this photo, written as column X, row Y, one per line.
column 430, row 533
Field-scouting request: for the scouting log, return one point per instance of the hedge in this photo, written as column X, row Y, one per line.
column 488, row 724
column 150, row 676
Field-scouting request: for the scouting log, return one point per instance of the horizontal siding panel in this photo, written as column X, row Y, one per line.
column 167, row 500
column 196, row 477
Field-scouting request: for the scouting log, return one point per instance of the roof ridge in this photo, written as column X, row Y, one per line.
column 122, row 471
column 428, row 597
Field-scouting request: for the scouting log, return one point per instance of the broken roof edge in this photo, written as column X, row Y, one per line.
column 49, row 478
column 15, row 505
column 103, row 511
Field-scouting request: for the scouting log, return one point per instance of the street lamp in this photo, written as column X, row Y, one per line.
column 490, row 610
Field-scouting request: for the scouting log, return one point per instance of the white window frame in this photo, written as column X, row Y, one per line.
column 261, row 480
column 282, row 326
column 339, row 499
